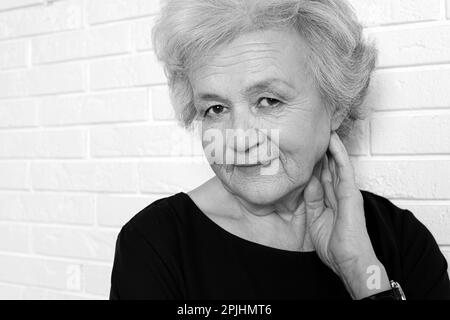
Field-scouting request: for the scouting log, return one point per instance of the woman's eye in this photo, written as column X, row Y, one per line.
column 215, row 109
column 269, row 102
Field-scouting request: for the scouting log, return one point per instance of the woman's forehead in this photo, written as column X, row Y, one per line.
column 259, row 54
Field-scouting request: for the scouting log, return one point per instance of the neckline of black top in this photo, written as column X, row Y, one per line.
column 243, row 241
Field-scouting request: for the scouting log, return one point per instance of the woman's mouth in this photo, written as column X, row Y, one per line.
column 263, row 163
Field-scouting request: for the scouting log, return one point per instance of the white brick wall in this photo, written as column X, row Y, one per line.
column 87, row 134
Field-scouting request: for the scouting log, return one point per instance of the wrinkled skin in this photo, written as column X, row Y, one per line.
column 261, row 80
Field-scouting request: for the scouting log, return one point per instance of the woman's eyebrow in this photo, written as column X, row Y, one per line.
column 272, row 84
column 212, row 97
column 267, row 85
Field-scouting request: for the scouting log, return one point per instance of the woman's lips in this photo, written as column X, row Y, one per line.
column 264, row 163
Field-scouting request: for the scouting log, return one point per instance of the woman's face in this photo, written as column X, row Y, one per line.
column 261, row 81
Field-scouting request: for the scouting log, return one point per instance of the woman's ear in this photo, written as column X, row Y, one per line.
column 337, row 119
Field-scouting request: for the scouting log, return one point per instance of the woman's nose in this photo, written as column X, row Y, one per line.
column 243, row 140
column 244, row 146
column 242, row 136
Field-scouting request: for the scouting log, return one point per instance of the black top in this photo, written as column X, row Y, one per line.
column 172, row 250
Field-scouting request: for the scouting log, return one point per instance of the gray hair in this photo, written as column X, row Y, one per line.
column 340, row 60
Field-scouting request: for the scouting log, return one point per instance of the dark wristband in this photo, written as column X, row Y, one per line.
column 395, row 293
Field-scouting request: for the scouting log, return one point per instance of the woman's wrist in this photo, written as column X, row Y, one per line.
column 364, row 276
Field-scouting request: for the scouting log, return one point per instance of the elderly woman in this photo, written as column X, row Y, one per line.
column 288, row 79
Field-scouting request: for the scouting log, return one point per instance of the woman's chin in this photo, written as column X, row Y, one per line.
column 261, row 196
column 251, row 184
column 264, row 192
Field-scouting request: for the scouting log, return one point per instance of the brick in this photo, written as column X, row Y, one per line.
column 184, row 175
column 381, row 12
column 13, row 54
column 74, row 243
column 161, row 106
column 415, row 46
column 406, row 179
column 410, row 89
column 435, row 217
column 58, row 16
column 130, row 105
column 40, row 272
column 144, row 140
column 115, row 211
column 54, row 295
column 12, row 4
column 49, row 208
column 84, row 176
column 14, row 175
column 30, row 293
column 42, row 80
column 43, row 144
column 143, row 30
column 10, row 292
column 110, row 10
column 448, row 13
column 138, row 70
column 39, row 88
column 15, row 238
column 82, row 44
column 411, row 134
column 18, row 113
column 66, row 296
column 97, row 279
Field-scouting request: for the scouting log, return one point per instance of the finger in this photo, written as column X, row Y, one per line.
column 307, row 241
column 345, row 188
column 332, row 166
column 323, row 179
column 327, row 181
column 317, row 170
column 342, row 160
column 327, row 202
column 313, row 196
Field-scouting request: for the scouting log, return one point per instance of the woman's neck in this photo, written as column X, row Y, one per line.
column 287, row 207
column 281, row 224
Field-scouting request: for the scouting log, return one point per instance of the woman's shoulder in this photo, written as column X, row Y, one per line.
column 393, row 222
column 378, row 204
column 160, row 221
column 405, row 226
column 407, row 248
column 391, row 228
column 146, row 263
column 381, row 211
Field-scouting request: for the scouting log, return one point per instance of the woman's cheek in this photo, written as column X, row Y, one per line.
column 295, row 140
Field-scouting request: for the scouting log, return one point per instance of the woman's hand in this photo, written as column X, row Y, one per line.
column 336, row 224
